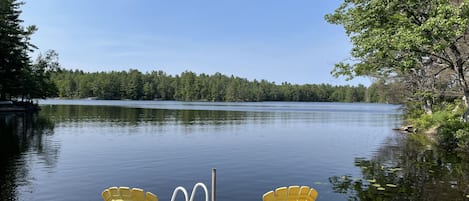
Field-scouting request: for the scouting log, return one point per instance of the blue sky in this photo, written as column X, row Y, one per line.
column 255, row 39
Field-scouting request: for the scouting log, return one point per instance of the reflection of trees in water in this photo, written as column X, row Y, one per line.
column 136, row 116
column 408, row 168
column 20, row 134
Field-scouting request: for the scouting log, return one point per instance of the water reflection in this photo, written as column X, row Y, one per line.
column 157, row 149
column 408, row 168
column 20, row 135
column 128, row 116
column 135, row 116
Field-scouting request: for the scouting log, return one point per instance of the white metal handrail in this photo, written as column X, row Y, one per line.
column 180, row 188
column 195, row 188
column 200, row 184
column 177, row 189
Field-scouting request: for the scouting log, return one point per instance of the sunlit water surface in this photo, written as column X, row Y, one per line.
column 72, row 150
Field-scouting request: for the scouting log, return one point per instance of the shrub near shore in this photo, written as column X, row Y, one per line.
column 444, row 125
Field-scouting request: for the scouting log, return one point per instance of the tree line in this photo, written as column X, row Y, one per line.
column 190, row 86
column 21, row 78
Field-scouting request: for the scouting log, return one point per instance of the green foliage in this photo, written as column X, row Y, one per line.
column 446, row 113
column 19, row 77
column 452, row 133
column 189, row 86
column 462, row 136
column 436, row 119
column 39, row 80
column 391, row 35
column 413, row 111
column 425, row 121
column 420, row 45
column 14, row 49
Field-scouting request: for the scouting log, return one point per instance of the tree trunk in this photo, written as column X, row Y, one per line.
column 428, row 105
column 465, row 98
column 458, row 65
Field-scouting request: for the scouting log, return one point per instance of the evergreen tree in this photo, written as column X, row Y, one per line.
column 14, row 49
column 190, row 86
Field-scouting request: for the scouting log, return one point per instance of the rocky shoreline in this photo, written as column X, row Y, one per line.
column 406, row 129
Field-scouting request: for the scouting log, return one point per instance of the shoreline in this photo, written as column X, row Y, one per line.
column 18, row 106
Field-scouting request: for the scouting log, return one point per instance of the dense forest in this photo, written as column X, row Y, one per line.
column 189, row 86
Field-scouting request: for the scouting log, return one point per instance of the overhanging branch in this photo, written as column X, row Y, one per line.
column 435, row 55
column 441, row 70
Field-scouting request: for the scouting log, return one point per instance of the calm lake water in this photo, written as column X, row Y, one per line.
column 72, row 150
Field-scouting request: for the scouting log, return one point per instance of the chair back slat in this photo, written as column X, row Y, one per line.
column 151, row 197
column 313, row 194
column 291, row 193
column 127, row 194
column 281, row 194
column 138, row 194
column 269, row 196
column 106, row 194
column 304, row 193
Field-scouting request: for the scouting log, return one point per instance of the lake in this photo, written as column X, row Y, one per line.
column 74, row 149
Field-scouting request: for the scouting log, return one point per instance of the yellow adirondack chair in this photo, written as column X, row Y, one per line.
column 291, row 193
column 127, row 194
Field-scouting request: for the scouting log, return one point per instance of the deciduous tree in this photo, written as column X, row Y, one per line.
column 395, row 37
